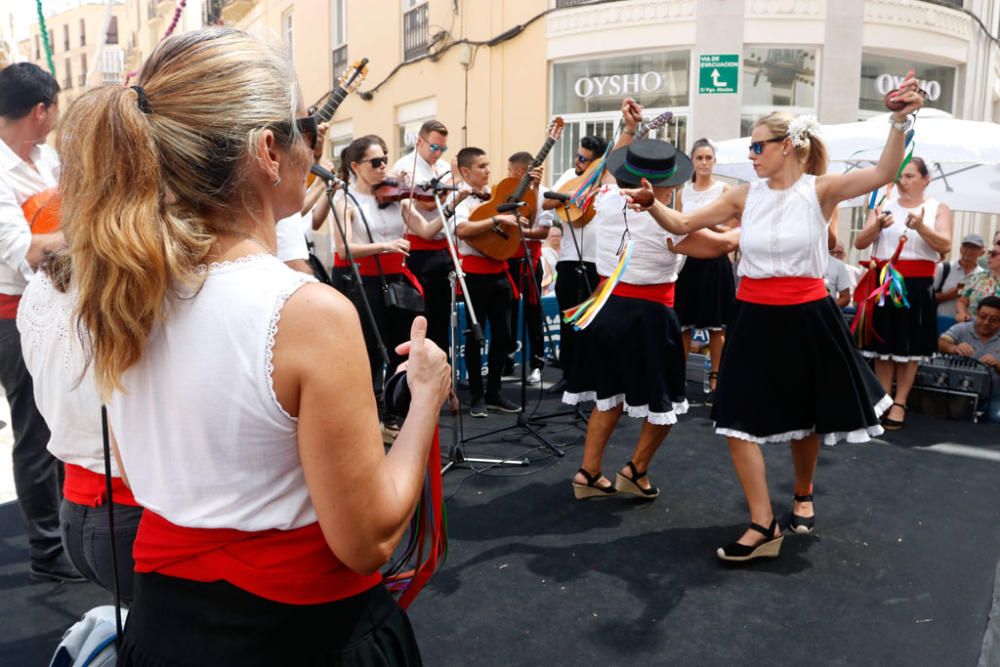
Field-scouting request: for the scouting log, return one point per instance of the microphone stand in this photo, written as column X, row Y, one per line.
column 456, row 454
column 524, row 421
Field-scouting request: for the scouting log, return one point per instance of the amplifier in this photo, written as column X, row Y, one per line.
column 954, row 373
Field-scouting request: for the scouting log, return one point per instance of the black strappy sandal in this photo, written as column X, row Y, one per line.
column 631, row 484
column 893, row 424
column 800, row 524
column 769, row 547
column 591, row 489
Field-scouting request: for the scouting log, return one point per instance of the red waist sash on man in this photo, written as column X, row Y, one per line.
column 287, row 566
column 88, row 488
column 418, row 243
column 658, row 292
column 783, row 291
column 488, row 265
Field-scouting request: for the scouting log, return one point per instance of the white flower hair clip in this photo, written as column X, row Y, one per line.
column 800, row 128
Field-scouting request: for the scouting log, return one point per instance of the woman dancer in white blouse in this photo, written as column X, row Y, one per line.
column 818, row 385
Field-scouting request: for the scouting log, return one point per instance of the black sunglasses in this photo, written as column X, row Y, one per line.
column 306, row 126
column 757, row 147
column 377, row 161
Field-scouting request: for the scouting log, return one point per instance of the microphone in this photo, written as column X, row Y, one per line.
column 433, row 184
column 512, row 206
column 324, row 174
column 557, row 196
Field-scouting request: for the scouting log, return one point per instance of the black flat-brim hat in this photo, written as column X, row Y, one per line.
column 657, row 161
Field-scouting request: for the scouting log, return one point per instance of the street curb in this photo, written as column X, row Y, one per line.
column 990, row 655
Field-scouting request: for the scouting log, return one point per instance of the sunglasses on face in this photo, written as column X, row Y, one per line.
column 993, row 253
column 437, row 148
column 757, row 147
column 377, row 162
column 582, row 158
column 992, row 319
column 306, row 127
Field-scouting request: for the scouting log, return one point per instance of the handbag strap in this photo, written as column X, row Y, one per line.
column 111, row 527
column 371, row 239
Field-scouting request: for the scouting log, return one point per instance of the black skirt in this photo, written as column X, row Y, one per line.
column 181, row 622
column 631, row 353
column 907, row 334
column 706, row 293
column 790, row 371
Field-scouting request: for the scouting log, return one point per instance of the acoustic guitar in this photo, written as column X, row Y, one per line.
column 502, row 243
column 580, row 209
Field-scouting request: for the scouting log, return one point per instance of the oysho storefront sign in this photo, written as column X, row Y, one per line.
column 618, row 84
column 887, row 83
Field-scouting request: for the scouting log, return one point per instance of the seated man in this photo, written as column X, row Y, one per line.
column 839, row 282
column 979, row 339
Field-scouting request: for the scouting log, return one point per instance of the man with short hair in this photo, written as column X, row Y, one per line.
column 29, row 109
column 951, row 276
column 518, row 165
column 979, row 339
column 491, row 289
column 837, row 278
column 429, row 260
column 577, row 267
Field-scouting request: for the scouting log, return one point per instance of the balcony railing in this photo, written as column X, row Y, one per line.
column 339, row 60
column 415, row 32
column 561, row 4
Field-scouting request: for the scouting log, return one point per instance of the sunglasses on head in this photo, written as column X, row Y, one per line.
column 378, row 162
column 437, row 148
column 582, row 158
column 757, row 147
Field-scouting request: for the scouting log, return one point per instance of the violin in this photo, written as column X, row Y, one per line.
column 393, row 190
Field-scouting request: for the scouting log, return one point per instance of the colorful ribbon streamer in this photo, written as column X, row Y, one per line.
column 45, row 37
column 582, row 315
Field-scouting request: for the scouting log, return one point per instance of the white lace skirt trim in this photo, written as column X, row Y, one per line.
column 637, row 411
column 898, row 358
column 857, row 435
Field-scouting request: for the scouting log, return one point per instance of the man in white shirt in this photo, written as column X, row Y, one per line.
column 429, row 260
column 29, row 108
column 578, row 253
column 839, row 282
column 950, row 276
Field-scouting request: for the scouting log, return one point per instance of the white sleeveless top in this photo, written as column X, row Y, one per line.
column 783, row 232
column 693, row 199
column 386, row 224
column 204, row 442
column 54, row 356
column 651, row 262
column 915, row 246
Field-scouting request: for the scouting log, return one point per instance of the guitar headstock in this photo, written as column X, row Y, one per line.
column 352, row 77
column 655, row 124
column 556, row 128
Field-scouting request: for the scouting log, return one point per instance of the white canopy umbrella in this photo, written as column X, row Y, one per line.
column 963, row 157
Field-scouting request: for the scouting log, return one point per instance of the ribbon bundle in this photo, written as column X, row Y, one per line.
column 428, row 535
column 582, row 315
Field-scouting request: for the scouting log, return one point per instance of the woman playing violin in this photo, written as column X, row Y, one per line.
column 375, row 235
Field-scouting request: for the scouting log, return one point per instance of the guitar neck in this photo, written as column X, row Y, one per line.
column 539, row 159
column 332, row 103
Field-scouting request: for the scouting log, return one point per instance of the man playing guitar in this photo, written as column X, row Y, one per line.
column 491, row 289
column 29, row 109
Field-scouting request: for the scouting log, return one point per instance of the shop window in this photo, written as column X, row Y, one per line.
column 655, row 80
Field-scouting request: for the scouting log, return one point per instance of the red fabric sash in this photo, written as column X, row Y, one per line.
column 534, row 247
column 288, row 566
column 8, row 306
column 392, row 264
column 88, row 488
column 488, row 265
column 657, row 292
column 340, row 263
column 790, row 291
column 910, row 268
column 418, row 243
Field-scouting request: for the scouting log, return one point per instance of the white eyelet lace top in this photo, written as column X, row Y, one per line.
column 204, row 442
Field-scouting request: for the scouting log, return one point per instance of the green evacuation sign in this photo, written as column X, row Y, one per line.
column 718, row 74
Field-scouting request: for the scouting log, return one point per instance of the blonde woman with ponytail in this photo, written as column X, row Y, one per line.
column 818, row 384
column 231, row 380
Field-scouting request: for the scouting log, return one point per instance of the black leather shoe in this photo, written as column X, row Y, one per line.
column 478, row 408
column 57, row 569
column 801, row 524
column 558, row 388
column 503, row 404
